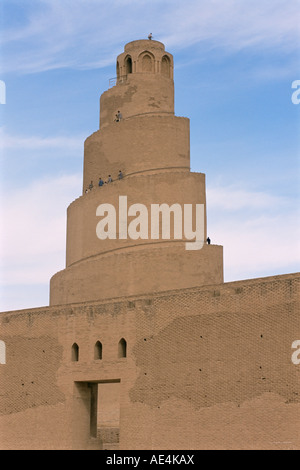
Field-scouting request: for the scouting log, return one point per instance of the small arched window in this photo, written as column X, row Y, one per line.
column 165, row 66
column 122, row 348
column 128, row 65
column 98, row 351
column 2, row 353
column 118, row 70
column 75, row 353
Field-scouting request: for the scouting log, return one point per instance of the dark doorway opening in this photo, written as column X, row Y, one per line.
column 108, row 415
column 96, row 414
column 105, row 413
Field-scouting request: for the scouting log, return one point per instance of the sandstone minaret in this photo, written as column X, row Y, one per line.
column 150, row 145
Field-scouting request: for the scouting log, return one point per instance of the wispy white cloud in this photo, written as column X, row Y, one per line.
column 32, row 233
column 234, row 198
column 88, row 33
column 261, row 247
column 236, row 24
column 15, row 142
column 260, row 232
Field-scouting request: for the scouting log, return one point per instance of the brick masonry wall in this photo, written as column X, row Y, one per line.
column 206, row 368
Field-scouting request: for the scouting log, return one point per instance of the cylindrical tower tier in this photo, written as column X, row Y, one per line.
column 136, row 146
column 137, row 270
column 169, row 187
column 137, row 95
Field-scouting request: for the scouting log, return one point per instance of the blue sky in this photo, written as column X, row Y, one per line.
column 235, row 61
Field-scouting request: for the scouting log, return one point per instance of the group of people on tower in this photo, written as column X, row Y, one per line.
column 102, row 183
column 119, row 116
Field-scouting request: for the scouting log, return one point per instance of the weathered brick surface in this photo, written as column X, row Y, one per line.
column 206, row 367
